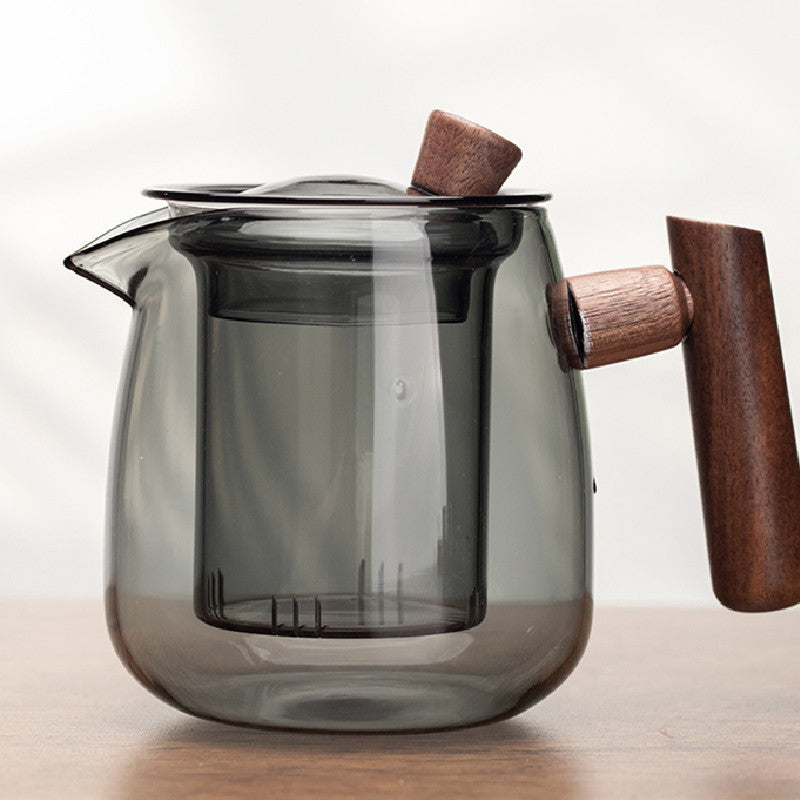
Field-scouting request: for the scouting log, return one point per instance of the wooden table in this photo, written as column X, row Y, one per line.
column 666, row 703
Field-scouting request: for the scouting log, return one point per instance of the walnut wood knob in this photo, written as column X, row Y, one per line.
column 606, row 317
column 744, row 437
column 458, row 158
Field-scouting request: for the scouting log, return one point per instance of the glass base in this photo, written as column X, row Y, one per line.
column 515, row 656
column 360, row 702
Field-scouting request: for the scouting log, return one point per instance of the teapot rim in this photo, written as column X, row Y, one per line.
column 234, row 194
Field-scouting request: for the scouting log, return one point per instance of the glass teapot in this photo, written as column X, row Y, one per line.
column 350, row 485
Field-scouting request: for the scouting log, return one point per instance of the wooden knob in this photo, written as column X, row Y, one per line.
column 606, row 317
column 458, row 158
column 744, row 437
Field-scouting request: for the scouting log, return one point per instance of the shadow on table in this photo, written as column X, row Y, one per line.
column 198, row 758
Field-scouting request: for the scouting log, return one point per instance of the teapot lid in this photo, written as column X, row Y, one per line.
column 222, row 222
column 326, row 190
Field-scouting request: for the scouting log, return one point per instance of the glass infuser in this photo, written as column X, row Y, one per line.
column 350, row 485
column 343, row 389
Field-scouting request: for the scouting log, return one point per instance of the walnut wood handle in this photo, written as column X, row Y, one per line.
column 606, row 317
column 744, row 437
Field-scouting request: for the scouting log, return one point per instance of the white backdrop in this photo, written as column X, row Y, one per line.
column 626, row 111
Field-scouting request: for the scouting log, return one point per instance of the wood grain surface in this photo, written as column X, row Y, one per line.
column 743, row 432
column 666, row 704
column 606, row 317
column 459, row 158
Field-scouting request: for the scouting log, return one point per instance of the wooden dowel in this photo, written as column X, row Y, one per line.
column 611, row 316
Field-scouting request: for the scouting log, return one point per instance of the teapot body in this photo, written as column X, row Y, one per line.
column 349, row 486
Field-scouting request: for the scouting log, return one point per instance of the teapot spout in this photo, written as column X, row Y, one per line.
column 118, row 259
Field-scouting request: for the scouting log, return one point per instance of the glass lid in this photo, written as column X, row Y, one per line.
column 328, row 190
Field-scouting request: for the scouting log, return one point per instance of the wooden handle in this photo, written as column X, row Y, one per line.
column 744, row 438
column 606, row 317
column 458, row 158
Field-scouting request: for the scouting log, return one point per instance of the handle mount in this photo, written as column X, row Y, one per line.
column 611, row 316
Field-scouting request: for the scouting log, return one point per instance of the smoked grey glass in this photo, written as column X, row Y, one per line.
column 349, row 488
